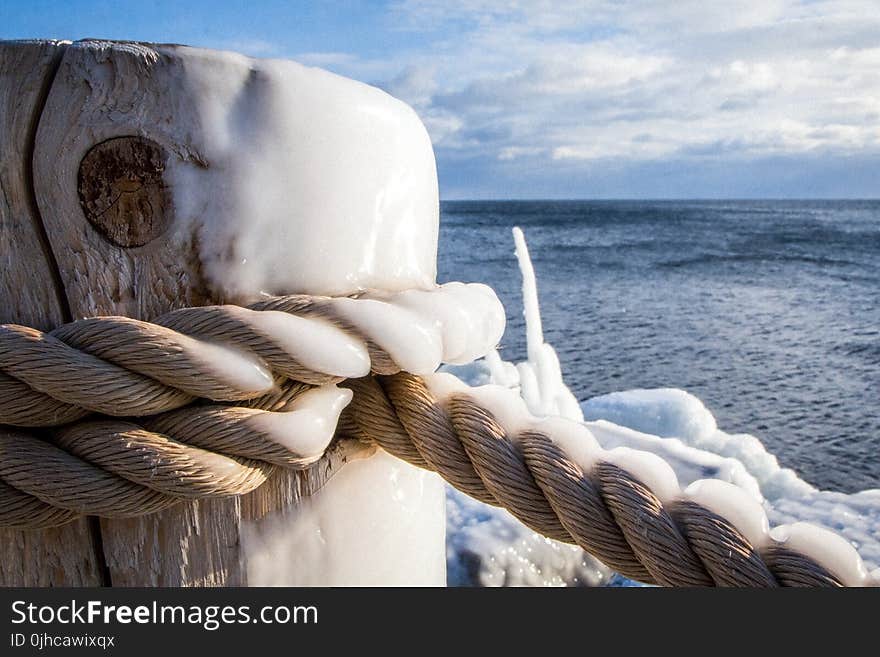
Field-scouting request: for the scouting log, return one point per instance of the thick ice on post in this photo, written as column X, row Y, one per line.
column 378, row 522
column 305, row 181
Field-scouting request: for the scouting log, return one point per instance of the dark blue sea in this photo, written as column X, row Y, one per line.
column 768, row 311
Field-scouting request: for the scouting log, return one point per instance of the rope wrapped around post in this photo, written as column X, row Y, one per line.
column 116, row 417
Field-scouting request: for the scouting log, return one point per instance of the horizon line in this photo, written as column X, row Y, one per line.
column 667, row 198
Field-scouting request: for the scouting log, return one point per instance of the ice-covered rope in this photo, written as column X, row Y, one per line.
column 125, row 367
column 280, row 361
column 134, row 404
column 623, row 506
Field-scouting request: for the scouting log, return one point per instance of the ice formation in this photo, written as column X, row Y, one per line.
column 377, row 522
column 304, row 181
column 486, row 546
column 686, row 435
column 308, row 426
column 317, row 345
column 540, row 377
column 419, row 329
column 669, row 439
column 238, row 370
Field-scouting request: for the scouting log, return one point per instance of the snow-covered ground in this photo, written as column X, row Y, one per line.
column 487, row 546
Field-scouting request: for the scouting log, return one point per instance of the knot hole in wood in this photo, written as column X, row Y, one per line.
column 122, row 190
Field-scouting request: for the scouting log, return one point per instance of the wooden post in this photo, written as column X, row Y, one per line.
column 90, row 136
column 86, row 131
column 105, row 110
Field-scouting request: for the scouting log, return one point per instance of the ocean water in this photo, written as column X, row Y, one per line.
column 768, row 311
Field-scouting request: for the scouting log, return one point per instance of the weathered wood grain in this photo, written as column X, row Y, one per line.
column 30, row 295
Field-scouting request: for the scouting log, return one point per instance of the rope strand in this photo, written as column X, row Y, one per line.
column 136, row 418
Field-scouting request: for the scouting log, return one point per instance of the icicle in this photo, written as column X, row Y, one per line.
column 540, row 377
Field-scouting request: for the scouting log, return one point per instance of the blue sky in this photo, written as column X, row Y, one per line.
column 597, row 98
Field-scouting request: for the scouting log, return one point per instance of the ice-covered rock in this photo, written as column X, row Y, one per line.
column 666, row 412
column 486, row 546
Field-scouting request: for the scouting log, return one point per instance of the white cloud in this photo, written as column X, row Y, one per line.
column 562, row 83
column 415, row 84
column 513, row 152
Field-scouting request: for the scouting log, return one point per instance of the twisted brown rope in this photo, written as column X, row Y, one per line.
column 124, row 367
column 607, row 512
column 185, row 450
